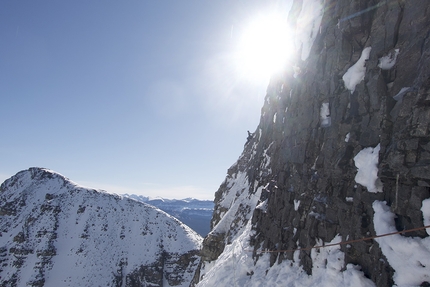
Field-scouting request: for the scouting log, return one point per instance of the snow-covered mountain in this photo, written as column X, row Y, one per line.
column 54, row 232
column 195, row 213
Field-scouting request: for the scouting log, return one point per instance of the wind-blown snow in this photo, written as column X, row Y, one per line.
column 367, row 163
column 409, row 256
column 387, row 62
column 356, row 73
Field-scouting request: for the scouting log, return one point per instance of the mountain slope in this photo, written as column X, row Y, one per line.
column 342, row 152
column 56, row 233
column 194, row 213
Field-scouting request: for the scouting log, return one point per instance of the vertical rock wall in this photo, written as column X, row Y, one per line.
column 300, row 162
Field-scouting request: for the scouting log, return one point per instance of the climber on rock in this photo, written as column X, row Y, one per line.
column 249, row 138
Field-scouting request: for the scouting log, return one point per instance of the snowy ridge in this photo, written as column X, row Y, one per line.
column 56, row 233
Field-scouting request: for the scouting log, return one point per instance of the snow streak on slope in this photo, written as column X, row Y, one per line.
column 56, row 233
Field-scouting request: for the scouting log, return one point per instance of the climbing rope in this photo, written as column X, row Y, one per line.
column 344, row 242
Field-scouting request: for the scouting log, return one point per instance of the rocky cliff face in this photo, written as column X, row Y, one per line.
column 343, row 141
column 56, row 233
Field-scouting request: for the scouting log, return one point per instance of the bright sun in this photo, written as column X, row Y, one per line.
column 264, row 46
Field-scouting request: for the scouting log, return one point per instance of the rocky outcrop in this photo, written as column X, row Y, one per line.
column 365, row 84
column 56, row 233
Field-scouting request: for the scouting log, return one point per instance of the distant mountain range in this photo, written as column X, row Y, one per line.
column 54, row 232
column 195, row 213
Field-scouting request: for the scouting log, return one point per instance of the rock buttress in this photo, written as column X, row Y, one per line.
column 301, row 162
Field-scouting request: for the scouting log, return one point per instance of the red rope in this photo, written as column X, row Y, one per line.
column 345, row 242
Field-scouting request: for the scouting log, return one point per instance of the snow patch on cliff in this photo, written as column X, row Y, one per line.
column 325, row 115
column 356, row 73
column 387, row 62
column 366, row 162
column 348, row 135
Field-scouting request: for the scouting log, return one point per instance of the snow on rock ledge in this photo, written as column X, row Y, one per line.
column 409, row 256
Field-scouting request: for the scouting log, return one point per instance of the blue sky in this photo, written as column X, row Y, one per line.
column 129, row 96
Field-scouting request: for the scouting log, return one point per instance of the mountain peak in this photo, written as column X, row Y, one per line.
column 54, row 232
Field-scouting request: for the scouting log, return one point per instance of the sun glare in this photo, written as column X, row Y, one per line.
column 264, row 46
